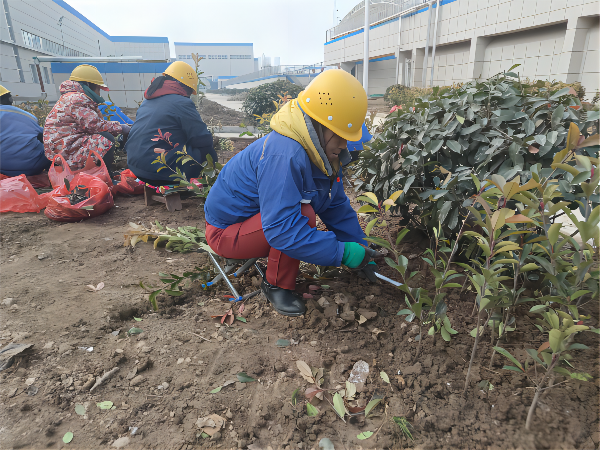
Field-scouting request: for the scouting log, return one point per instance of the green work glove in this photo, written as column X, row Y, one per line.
column 356, row 256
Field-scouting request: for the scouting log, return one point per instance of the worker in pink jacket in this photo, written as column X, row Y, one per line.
column 75, row 125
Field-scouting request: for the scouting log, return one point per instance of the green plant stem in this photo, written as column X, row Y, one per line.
column 538, row 391
column 473, row 352
column 420, row 337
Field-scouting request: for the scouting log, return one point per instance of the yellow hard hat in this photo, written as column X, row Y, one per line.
column 3, row 90
column 337, row 101
column 184, row 73
column 85, row 72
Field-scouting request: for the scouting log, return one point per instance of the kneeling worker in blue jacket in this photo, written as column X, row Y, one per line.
column 265, row 199
column 21, row 140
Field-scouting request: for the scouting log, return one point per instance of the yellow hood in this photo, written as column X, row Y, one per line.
column 290, row 121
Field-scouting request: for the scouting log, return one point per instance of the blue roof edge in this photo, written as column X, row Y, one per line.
column 215, row 44
column 141, row 39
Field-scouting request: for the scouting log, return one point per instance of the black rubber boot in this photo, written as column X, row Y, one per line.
column 285, row 302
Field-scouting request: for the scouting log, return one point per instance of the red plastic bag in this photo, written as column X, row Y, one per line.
column 100, row 199
column 17, row 195
column 40, row 180
column 128, row 185
column 57, row 174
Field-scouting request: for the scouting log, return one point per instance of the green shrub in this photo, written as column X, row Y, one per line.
column 398, row 94
column 496, row 126
column 260, row 99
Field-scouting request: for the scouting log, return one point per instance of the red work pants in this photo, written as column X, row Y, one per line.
column 247, row 240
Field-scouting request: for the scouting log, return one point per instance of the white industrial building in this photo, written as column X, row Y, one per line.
column 53, row 29
column 222, row 61
column 469, row 39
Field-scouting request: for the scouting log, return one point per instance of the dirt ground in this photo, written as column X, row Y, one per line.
column 211, row 112
column 165, row 374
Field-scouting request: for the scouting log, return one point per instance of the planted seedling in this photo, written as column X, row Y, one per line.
column 404, row 426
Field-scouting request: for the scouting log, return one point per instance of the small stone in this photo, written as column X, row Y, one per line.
column 228, row 414
column 8, row 301
column 68, row 382
column 314, row 343
column 323, row 302
column 48, row 345
column 216, row 436
column 146, row 349
column 165, row 385
column 64, row 347
column 137, row 380
column 121, row 442
column 118, row 350
column 29, row 381
column 180, row 360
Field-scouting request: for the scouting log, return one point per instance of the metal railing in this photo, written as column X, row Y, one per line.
column 379, row 10
column 282, row 70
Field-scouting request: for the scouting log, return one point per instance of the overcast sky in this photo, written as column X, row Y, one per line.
column 294, row 30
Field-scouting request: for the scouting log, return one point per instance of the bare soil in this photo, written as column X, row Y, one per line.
column 211, row 112
column 166, row 373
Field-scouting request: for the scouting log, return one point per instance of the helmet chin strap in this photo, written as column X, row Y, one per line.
column 319, row 129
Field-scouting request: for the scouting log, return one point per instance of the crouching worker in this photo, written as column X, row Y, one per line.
column 75, row 125
column 167, row 108
column 266, row 198
column 21, row 140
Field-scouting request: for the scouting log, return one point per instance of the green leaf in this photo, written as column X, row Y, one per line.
column 282, row 343
column 241, row 319
column 295, row 397
column 68, row 437
column 105, row 405
column 384, row 377
column 364, row 435
column 204, row 435
column 137, row 319
column 215, row 390
column 445, row 334
column 134, row 330
column 509, row 356
column 311, row 411
column 555, row 337
column 454, row 146
column 338, row 405
column 372, row 404
column 244, row 378
column 367, row 209
column 369, row 226
column 460, row 119
column 80, row 409
column 528, row 267
column 538, row 308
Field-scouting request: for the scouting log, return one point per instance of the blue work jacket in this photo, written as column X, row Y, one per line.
column 21, row 150
column 274, row 176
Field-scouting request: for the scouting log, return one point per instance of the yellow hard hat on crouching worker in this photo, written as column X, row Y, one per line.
column 3, row 91
column 337, row 101
column 85, row 72
column 183, row 73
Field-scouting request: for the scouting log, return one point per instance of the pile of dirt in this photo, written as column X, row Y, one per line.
column 211, row 112
column 166, row 371
column 214, row 114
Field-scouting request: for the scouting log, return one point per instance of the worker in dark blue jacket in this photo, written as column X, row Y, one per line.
column 21, row 140
column 167, row 121
column 266, row 198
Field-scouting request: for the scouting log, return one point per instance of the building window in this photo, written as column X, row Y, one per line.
column 45, row 45
column 34, row 73
column 217, row 57
column 46, row 76
column 240, row 56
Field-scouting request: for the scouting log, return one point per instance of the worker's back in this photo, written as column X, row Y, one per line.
column 174, row 114
column 21, row 147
